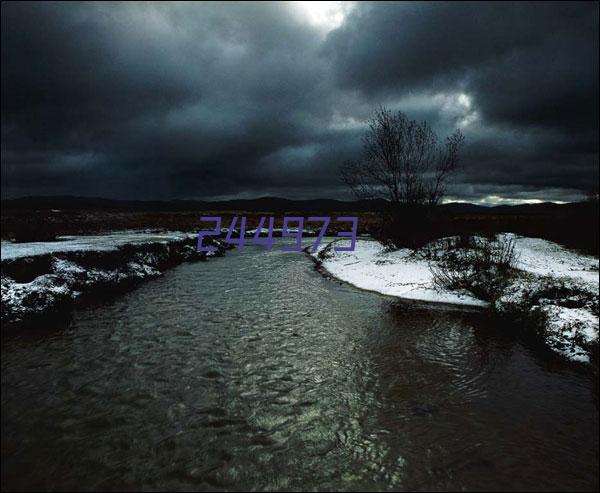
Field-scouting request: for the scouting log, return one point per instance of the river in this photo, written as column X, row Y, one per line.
column 254, row 372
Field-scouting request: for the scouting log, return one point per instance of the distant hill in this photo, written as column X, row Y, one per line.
column 259, row 204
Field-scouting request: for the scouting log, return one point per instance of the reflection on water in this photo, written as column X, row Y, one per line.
column 253, row 371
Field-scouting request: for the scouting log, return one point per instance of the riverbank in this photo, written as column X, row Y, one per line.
column 252, row 372
column 41, row 280
column 555, row 291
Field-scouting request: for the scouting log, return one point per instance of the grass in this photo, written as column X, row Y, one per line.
column 43, row 225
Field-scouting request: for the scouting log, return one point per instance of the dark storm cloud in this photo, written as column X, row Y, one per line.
column 185, row 97
column 530, row 70
column 522, row 60
column 183, row 100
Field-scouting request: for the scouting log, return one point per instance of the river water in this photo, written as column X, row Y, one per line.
column 254, row 372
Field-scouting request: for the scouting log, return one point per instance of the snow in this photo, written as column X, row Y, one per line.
column 567, row 326
column 570, row 315
column 567, row 306
column 103, row 242
column 402, row 274
column 545, row 258
column 396, row 273
column 279, row 231
column 569, row 330
column 24, row 300
column 73, row 269
column 571, row 319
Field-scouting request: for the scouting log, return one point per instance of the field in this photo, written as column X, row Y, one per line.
column 572, row 225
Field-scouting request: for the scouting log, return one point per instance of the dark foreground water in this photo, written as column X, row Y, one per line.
column 254, row 372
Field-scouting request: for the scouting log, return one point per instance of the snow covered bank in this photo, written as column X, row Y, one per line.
column 97, row 243
column 556, row 286
column 395, row 273
column 42, row 279
column 561, row 310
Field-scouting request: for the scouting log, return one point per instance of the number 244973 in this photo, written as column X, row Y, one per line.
column 263, row 235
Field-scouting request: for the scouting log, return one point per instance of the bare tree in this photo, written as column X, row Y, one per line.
column 402, row 161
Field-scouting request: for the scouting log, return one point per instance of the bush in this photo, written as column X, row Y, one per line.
column 482, row 266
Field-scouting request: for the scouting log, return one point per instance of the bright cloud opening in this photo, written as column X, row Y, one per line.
column 325, row 16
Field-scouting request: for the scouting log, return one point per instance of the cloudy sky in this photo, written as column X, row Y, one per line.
column 222, row 100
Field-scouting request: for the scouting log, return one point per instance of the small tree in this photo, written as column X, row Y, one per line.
column 402, row 161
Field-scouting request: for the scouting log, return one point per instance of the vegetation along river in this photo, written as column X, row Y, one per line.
column 254, row 372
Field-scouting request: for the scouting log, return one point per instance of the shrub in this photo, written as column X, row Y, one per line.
column 411, row 226
column 482, row 266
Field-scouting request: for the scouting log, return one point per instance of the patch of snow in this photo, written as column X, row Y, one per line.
column 102, row 242
column 567, row 308
column 570, row 315
column 397, row 273
column 546, row 258
column 21, row 300
column 568, row 330
column 79, row 264
column 279, row 231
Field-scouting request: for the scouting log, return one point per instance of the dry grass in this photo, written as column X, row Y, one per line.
column 41, row 225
